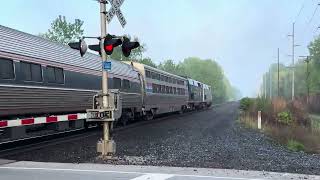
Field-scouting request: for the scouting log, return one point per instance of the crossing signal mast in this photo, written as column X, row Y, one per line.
column 110, row 42
column 107, row 105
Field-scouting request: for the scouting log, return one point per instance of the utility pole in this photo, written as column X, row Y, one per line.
column 278, row 74
column 307, row 79
column 307, row 60
column 265, row 87
column 270, row 82
column 293, row 68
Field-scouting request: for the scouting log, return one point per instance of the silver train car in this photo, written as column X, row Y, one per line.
column 39, row 77
column 162, row 92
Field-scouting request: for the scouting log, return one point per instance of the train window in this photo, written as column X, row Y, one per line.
column 158, row 77
column 31, row 71
column 166, row 78
column 155, row 88
column 58, row 72
column 51, row 76
column 125, row 84
column 116, row 83
column 36, row 72
column 169, row 79
column 55, row 74
column 162, row 78
column 6, row 69
column 170, row 90
column 174, row 90
column 153, row 75
column 174, row 81
column 163, row 89
column 26, row 70
column 167, row 90
column 148, row 74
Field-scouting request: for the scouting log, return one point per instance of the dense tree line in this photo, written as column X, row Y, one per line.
column 305, row 77
column 204, row 70
column 207, row 71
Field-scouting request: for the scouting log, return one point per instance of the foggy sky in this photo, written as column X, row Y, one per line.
column 241, row 35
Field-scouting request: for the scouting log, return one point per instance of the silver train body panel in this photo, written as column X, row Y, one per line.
column 159, row 101
column 22, row 98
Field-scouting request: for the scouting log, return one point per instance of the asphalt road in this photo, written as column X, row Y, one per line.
column 65, row 171
column 207, row 139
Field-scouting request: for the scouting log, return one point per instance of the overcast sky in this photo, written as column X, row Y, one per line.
column 241, row 35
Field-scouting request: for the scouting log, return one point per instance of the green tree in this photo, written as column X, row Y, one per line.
column 64, row 32
column 171, row 67
column 206, row 71
column 148, row 61
column 135, row 55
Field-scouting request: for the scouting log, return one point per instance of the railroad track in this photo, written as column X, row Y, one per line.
column 38, row 142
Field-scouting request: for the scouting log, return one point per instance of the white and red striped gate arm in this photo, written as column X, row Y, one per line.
column 42, row 120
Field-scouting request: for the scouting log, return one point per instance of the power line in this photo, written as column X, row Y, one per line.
column 314, row 12
column 301, row 8
column 307, row 28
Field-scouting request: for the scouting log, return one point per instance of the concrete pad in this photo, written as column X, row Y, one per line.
column 6, row 161
column 96, row 171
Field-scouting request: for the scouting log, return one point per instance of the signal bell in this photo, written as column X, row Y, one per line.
column 81, row 46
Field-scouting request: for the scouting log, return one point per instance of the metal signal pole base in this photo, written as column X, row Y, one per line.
column 107, row 148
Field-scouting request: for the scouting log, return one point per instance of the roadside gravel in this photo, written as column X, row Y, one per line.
column 211, row 139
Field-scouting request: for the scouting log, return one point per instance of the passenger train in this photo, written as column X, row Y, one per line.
column 39, row 77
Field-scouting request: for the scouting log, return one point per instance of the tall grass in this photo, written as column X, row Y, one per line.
column 286, row 122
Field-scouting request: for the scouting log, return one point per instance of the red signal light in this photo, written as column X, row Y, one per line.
column 108, row 47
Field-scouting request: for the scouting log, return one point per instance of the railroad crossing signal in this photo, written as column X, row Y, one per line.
column 81, row 46
column 109, row 43
column 115, row 9
column 127, row 46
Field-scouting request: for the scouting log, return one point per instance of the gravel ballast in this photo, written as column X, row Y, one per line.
column 210, row 139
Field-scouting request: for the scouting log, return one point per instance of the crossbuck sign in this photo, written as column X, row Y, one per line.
column 115, row 9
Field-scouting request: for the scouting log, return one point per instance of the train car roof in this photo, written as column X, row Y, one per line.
column 160, row 71
column 21, row 43
column 195, row 83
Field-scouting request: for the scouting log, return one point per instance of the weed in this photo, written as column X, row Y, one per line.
column 284, row 118
column 246, row 103
column 294, row 145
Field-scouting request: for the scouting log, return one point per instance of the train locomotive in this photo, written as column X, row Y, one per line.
column 43, row 78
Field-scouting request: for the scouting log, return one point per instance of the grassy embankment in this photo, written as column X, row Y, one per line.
column 287, row 122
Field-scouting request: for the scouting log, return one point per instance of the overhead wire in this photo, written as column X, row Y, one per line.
column 301, row 8
column 308, row 27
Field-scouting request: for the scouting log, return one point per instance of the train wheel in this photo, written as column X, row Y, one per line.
column 182, row 110
column 149, row 116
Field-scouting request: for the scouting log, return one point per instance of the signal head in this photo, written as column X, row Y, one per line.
column 110, row 42
column 81, row 46
column 127, row 46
